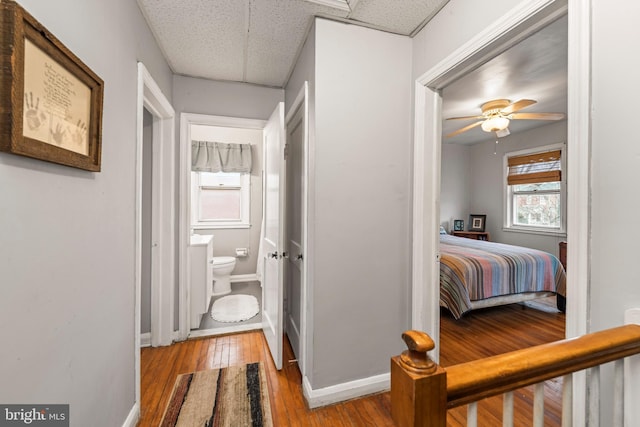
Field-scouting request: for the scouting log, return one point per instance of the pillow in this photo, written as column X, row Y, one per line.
column 442, row 230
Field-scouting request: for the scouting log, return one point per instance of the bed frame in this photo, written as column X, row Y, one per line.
column 509, row 299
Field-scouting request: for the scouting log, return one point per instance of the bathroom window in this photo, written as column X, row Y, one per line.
column 220, row 200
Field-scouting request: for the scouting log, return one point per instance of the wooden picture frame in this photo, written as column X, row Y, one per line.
column 50, row 101
column 477, row 222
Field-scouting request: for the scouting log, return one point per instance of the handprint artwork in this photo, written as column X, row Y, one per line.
column 58, row 134
column 51, row 101
column 66, row 134
column 79, row 136
column 56, row 103
column 35, row 118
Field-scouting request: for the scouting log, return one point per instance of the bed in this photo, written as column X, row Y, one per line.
column 476, row 274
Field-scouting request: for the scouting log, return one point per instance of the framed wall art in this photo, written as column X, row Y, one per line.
column 477, row 222
column 458, row 225
column 50, row 101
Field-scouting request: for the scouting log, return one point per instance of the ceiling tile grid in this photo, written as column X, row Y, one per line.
column 199, row 39
column 277, row 32
column 401, row 17
column 257, row 41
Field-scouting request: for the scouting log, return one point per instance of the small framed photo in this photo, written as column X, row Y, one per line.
column 477, row 222
column 50, row 101
column 458, row 225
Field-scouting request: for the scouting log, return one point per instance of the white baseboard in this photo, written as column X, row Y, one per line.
column 132, row 418
column 145, row 339
column 243, row 278
column 345, row 391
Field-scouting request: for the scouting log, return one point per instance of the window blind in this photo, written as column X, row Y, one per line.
column 534, row 168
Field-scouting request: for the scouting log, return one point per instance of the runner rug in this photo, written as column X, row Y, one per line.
column 233, row 396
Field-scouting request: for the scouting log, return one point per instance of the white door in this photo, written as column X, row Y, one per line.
column 273, row 244
column 294, row 230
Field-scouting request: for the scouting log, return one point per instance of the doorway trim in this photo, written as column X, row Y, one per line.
column 520, row 22
column 150, row 97
column 184, row 220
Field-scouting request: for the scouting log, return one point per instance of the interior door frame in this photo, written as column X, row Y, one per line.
column 151, row 98
column 517, row 24
column 302, row 101
column 184, row 220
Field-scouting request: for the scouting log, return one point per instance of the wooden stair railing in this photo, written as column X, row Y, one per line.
column 422, row 391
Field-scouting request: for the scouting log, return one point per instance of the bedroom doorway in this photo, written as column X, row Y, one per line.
column 522, row 21
column 533, row 74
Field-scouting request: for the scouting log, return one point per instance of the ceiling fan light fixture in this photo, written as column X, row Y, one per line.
column 495, row 124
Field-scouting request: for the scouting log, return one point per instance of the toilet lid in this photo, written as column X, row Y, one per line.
column 218, row 260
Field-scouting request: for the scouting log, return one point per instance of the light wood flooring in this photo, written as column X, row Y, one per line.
column 479, row 334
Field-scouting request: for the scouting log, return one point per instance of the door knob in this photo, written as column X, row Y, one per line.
column 274, row 255
column 299, row 257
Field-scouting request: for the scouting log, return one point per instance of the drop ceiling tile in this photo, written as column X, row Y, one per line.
column 200, row 38
column 276, row 34
column 401, row 17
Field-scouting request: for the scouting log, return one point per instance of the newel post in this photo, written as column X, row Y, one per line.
column 418, row 385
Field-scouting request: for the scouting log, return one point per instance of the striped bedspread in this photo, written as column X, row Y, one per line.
column 472, row 270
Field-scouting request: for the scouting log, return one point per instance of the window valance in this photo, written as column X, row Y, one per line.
column 208, row 156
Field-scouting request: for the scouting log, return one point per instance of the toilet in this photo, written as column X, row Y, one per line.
column 221, row 268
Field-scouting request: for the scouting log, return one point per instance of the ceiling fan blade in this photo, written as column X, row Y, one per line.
column 516, row 106
column 537, row 116
column 464, row 129
column 466, row 118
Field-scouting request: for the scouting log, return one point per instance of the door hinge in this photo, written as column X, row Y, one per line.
column 286, row 151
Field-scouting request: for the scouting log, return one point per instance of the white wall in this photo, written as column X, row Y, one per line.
column 487, row 178
column 67, row 252
column 362, row 175
column 455, row 184
column 216, row 98
column 615, row 163
column 456, row 23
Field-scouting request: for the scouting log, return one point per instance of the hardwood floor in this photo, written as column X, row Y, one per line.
column 498, row 330
column 161, row 365
column 480, row 334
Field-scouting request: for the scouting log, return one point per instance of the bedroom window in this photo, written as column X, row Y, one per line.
column 220, row 200
column 534, row 190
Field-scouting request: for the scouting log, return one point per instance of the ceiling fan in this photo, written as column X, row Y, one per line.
column 497, row 114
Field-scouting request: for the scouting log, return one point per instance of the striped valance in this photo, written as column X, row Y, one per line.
column 535, row 168
column 207, row 156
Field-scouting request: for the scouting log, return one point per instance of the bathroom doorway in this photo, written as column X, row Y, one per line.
column 239, row 238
